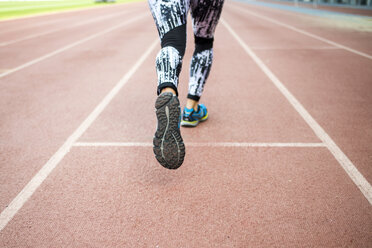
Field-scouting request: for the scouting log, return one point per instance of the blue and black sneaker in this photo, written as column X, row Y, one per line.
column 191, row 118
column 168, row 147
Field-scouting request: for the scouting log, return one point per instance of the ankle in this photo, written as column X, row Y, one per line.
column 168, row 89
column 192, row 104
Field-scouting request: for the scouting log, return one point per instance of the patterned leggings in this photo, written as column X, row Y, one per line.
column 170, row 18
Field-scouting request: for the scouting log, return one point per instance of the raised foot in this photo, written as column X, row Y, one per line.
column 168, row 147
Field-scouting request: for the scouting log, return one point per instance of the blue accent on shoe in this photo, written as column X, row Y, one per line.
column 201, row 112
column 188, row 111
column 190, row 117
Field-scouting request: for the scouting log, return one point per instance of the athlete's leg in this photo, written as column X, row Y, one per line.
column 205, row 15
column 170, row 19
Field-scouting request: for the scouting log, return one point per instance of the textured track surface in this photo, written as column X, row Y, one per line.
column 255, row 174
column 169, row 148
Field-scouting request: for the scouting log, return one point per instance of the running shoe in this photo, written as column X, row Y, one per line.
column 191, row 118
column 168, row 147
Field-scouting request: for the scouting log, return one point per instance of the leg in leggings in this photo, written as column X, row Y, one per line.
column 170, row 19
column 205, row 15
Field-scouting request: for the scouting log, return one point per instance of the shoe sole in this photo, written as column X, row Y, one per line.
column 189, row 123
column 169, row 148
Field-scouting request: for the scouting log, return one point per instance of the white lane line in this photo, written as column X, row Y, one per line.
column 246, row 144
column 201, row 144
column 293, row 48
column 6, row 43
column 22, row 27
column 8, row 213
column 303, row 32
column 43, row 6
column 65, row 48
column 3, row 70
column 344, row 161
column 108, row 144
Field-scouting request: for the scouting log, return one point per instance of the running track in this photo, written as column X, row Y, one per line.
column 284, row 161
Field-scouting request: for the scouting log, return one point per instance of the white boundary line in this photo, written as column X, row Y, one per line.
column 6, row 43
column 293, row 48
column 113, row 144
column 60, row 50
column 344, row 161
column 39, row 6
column 35, row 25
column 17, row 203
column 207, row 144
column 303, row 32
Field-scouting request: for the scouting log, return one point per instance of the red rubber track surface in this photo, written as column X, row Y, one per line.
column 358, row 10
column 119, row 196
column 343, row 9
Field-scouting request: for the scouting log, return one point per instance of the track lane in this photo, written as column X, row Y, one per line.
column 33, row 35
column 268, row 111
column 333, row 85
column 15, row 56
column 40, row 23
column 58, row 86
column 338, row 30
column 348, row 9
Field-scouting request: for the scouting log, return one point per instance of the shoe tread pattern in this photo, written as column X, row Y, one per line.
column 169, row 148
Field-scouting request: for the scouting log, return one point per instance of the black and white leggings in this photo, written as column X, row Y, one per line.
column 170, row 18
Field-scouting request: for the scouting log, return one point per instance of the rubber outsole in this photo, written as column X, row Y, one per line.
column 169, row 148
column 189, row 123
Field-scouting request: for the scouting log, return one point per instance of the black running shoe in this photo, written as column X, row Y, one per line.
column 169, row 148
